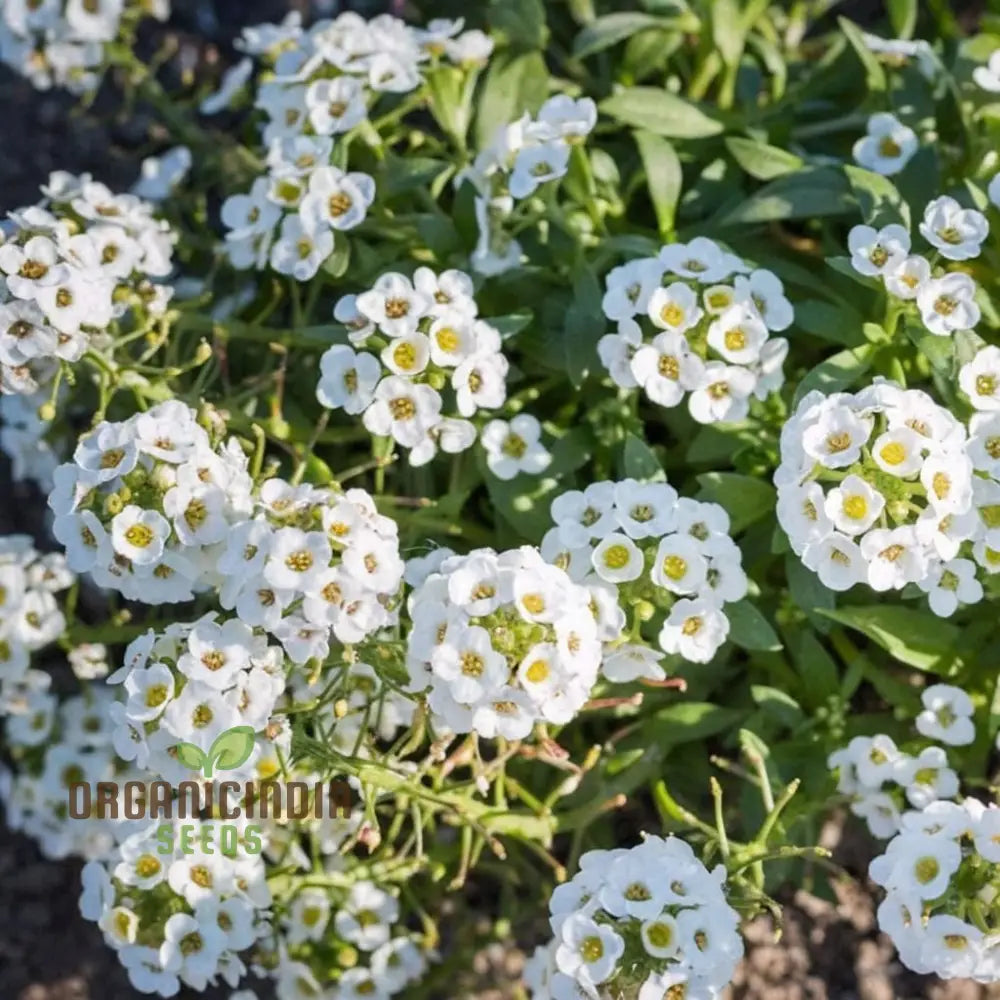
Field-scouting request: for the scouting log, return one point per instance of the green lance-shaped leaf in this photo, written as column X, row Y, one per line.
column 191, row 756
column 230, row 749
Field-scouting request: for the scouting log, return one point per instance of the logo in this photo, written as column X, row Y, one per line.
column 212, row 798
column 230, row 750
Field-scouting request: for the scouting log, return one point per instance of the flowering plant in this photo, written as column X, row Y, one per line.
column 533, row 458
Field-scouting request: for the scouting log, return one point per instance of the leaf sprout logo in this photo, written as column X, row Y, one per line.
column 229, row 750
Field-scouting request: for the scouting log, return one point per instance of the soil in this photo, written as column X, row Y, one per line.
column 826, row 951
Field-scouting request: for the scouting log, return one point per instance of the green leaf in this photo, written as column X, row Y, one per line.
column 191, row 756
column 584, row 327
column 727, row 30
column 834, row 322
column 514, row 84
column 808, row 593
column 611, row 29
column 812, row 191
column 879, row 200
column 745, row 498
column 337, row 263
column 660, row 112
column 521, row 21
column 512, row 324
column 874, row 73
column 838, row 372
column 692, row 720
column 749, row 629
column 777, row 704
column 913, row 637
column 639, row 461
column 664, row 177
column 760, row 160
column 230, row 749
column 818, row 670
column 903, row 17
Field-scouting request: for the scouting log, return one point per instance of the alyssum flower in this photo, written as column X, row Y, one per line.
column 431, row 347
column 695, row 322
column 648, row 556
column 878, row 487
column 500, row 642
column 650, row 921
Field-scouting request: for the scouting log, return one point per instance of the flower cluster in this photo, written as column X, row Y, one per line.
column 145, row 502
column 941, row 874
column 429, row 340
column 945, row 300
column 502, row 642
column 56, row 745
column 643, row 550
column 878, row 487
column 60, row 43
column 74, row 265
column 524, row 155
column 323, row 85
column 696, row 321
column 876, row 774
column 190, row 684
column 354, row 938
column 177, row 916
column 30, row 615
column 648, row 922
column 310, row 563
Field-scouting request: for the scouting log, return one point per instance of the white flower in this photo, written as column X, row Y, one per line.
column 535, row 165
column 402, row 410
column 588, row 948
column 988, row 76
column 336, row 105
column 956, row 232
column 947, row 715
column 618, row 559
column 947, row 304
column 515, row 447
column 980, row 379
column 695, row 629
column 674, row 308
column 878, row 252
column 854, row 506
column 723, row 393
column 895, row 557
column 347, row 379
column 835, row 440
column 898, row 452
column 764, row 291
column 927, row 777
column 947, row 584
column 666, row 368
column 366, row 916
column 888, row 145
column 394, row 305
column 679, row 565
column 300, row 250
column 139, row 535
column 337, row 199
column 906, row 278
column 837, row 561
column 738, row 335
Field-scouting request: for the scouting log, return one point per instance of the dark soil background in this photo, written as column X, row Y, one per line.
column 827, row 951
